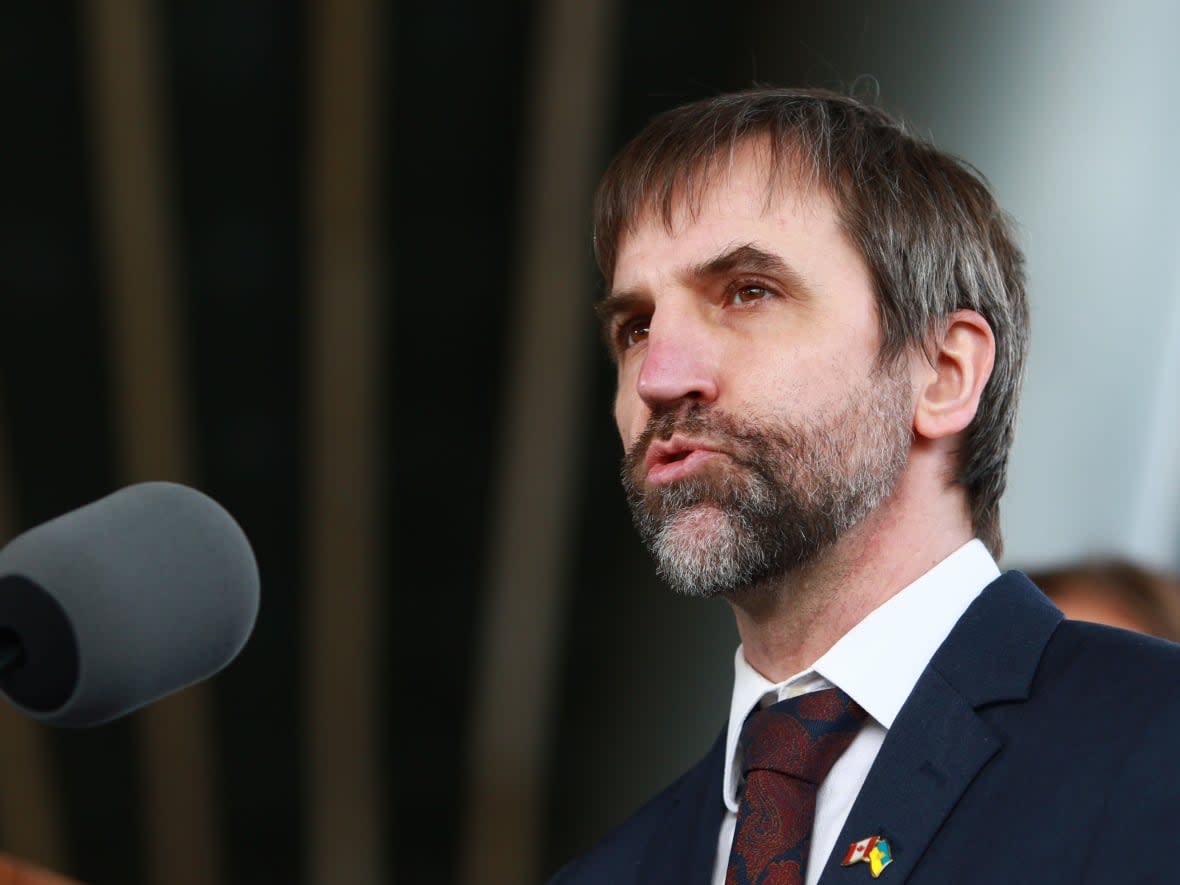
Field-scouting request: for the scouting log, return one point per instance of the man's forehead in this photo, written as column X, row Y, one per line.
column 722, row 209
column 748, row 178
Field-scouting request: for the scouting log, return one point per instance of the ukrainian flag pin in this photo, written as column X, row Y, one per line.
column 873, row 850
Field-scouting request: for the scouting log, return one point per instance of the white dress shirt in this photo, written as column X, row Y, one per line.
column 877, row 663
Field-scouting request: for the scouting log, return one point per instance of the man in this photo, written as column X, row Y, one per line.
column 819, row 324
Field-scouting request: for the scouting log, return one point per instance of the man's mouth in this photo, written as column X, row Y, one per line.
column 670, row 460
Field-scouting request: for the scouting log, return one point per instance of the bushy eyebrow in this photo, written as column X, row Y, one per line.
column 746, row 258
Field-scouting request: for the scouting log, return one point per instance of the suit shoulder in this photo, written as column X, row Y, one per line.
column 1115, row 667
column 1136, row 682
column 1088, row 645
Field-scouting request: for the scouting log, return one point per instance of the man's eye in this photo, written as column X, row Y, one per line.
column 632, row 332
column 749, row 294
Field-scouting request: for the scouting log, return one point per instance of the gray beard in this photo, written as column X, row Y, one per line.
column 782, row 496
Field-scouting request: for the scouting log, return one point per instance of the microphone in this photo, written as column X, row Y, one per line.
column 118, row 603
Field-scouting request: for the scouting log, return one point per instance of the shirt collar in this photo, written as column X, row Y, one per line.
column 878, row 661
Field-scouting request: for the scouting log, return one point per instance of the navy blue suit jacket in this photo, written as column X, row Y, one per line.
column 1032, row 750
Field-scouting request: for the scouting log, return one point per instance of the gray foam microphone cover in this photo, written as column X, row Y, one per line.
column 123, row 601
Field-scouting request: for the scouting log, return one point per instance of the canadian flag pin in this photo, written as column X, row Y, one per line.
column 873, row 850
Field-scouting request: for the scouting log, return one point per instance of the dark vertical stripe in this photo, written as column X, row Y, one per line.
column 540, row 452
column 235, row 74
column 452, row 166
column 52, row 370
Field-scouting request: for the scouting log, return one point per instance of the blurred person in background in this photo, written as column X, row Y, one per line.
column 1116, row 592
column 819, row 326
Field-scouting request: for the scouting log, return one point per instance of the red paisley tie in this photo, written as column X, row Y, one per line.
column 788, row 748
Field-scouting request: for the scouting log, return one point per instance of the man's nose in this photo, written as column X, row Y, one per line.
column 678, row 364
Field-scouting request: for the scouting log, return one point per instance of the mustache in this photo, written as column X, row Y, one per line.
column 739, row 439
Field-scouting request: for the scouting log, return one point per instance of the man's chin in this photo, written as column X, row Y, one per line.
column 704, row 523
column 700, row 552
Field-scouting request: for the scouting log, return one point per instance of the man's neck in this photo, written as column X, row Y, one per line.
column 787, row 626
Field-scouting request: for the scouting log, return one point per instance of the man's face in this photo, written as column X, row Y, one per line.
column 758, row 425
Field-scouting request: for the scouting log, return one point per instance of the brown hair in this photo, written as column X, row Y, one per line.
column 932, row 235
column 1152, row 597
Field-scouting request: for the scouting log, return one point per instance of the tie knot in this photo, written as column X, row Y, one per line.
column 803, row 736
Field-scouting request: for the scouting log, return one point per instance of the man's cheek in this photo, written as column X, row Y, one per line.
column 626, row 421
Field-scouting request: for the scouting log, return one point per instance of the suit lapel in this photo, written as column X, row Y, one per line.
column 928, row 759
column 939, row 743
column 681, row 851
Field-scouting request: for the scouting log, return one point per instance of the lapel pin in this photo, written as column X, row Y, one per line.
column 873, row 850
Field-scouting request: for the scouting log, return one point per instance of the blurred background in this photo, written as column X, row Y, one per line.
column 330, row 262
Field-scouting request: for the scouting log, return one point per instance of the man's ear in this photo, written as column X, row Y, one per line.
column 952, row 381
